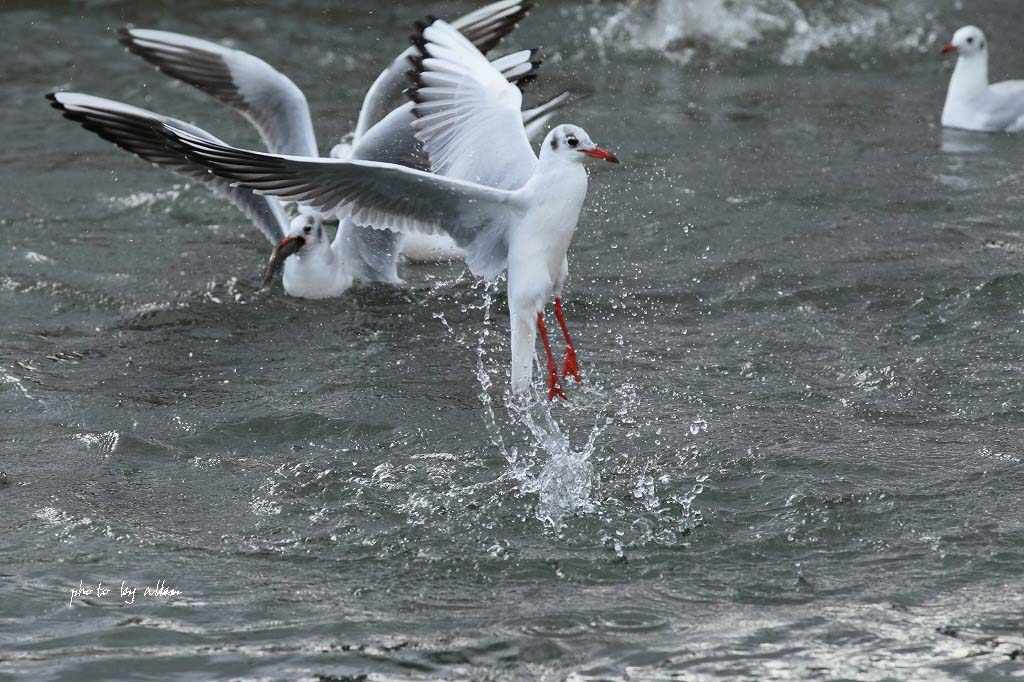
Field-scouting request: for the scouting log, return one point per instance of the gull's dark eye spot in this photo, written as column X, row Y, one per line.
column 970, row 40
column 307, row 229
column 571, row 141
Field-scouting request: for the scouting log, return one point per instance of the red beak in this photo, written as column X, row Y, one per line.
column 599, row 153
column 949, row 48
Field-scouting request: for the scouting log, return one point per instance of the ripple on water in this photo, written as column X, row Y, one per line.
column 564, row 625
column 630, row 620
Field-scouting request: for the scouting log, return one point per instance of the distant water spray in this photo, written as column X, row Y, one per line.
column 785, row 31
column 663, row 24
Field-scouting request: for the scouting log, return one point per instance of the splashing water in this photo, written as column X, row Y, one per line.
column 788, row 31
column 563, row 478
column 660, row 25
column 553, row 449
column 566, row 480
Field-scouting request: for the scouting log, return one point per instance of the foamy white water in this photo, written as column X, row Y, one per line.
column 784, row 31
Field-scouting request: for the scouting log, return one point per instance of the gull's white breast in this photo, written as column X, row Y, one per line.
column 540, row 240
column 315, row 275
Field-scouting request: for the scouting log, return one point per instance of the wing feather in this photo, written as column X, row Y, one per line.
column 263, row 95
column 484, row 28
column 469, row 116
column 132, row 129
column 381, row 195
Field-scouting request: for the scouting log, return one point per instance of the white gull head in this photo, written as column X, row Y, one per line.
column 968, row 42
column 571, row 144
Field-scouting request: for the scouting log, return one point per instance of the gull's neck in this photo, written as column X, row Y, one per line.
column 552, row 162
column 966, row 98
column 970, row 75
column 316, row 260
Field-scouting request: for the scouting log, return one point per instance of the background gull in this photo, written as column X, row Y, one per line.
column 973, row 104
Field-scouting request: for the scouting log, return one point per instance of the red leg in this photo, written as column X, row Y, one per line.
column 570, row 366
column 554, row 385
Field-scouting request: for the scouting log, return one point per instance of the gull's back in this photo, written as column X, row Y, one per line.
column 1005, row 106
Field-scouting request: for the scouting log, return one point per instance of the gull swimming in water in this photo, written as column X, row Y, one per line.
column 973, row 104
column 507, row 208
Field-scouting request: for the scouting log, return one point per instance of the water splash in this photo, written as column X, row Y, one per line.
column 18, row 383
column 788, row 32
column 663, row 25
column 140, row 199
column 555, row 452
column 106, row 442
column 562, row 477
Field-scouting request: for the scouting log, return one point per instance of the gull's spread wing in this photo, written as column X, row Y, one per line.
column 132, row 129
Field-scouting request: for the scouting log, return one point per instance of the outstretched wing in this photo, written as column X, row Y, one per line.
column 265, row 96
column 484, row 27
column 391, row 139
column 132, row 129
column 381, row 195
column 469, row 116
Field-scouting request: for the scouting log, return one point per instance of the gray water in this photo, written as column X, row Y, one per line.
column 796, row 453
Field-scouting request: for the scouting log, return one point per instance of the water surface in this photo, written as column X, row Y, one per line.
column 796, row 453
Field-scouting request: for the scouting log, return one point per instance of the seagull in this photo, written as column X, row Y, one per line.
column 278, row 108
column 507, row 208
column 279, row 111
column 973, row 104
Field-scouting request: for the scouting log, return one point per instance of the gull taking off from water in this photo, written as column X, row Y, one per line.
column 505, row 207
column 973, row 104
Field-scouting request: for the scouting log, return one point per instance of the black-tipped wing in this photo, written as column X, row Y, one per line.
column 391, row 139
column 468, row 115
column 519, row 67
column 133, row 130
column 484, row 27
column 381, row 195
column 265, row 96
